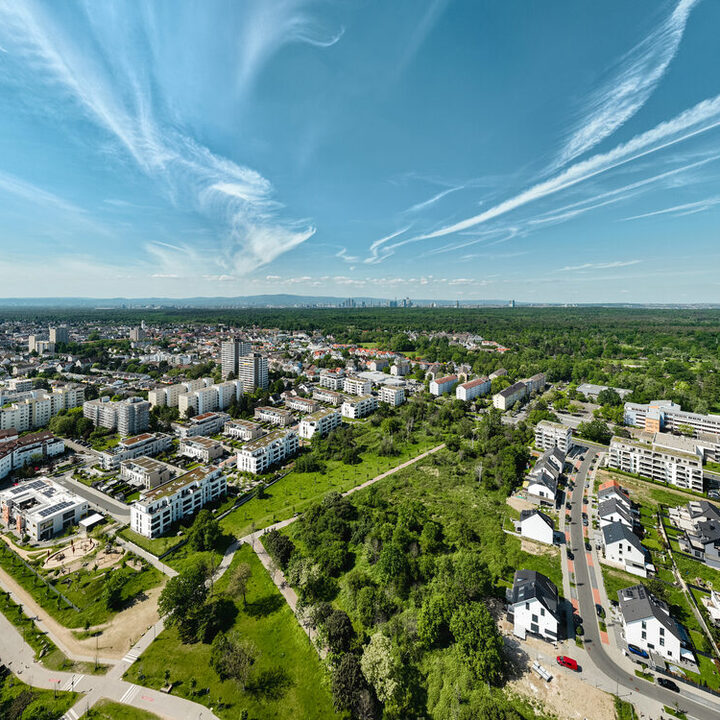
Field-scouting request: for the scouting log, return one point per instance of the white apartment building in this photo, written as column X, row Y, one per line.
column 253, row 372
column 507, row 397
column 357, row 386
column 666, row 415
column 533, row 606
column 210, row 398
column 622, row 548
column 243, row 430
column 648, row 624
column 542, row 481
column 134, row 447
column 59, row 335
column 166, row 504
column 400, row 368
column 391, row 395
column 321, row 422
column 20, row 384
column 443, row 385
column 359, row 407
column 259, row 455
column 474, row 388
column 328, row 396
column 36, row 411
column 301, row 404
column 274, row 416
column 230, row 352
column 614, row 510
column 548, row 434
column 536, row 383
column 41, row 508
column 332, row 379
column 128, row 417
column 16, row 452
column 201, row 448
column 209, row 423
column 146, row 472
column 169, row 395
column 647, row 460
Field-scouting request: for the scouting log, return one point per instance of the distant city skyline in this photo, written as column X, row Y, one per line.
column 565, row 152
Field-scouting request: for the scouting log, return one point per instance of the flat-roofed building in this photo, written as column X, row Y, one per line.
column 128, row 417
column 673, row 467
column 321, row 423
column 507, row 397
column 36, row 411
column 18, row 451
column 660, row 415
column 473, row 388
column 548, row 434
column 536, row 383
column 201, row 448
column 328, row 396
column 157, row 509
column 359, row 407
column 332, row 379
column 243, row 430
column 145, row 471
column 259, row 455
column 169, row 395
column 230, row 352
column 134, row 447
column 274, row 416
column 301, row 404
column 443, row 385
column 209, row 423
column 354, row 385
column 253, row 372
column 391, row 395
column 41, row 508
column 589, row 390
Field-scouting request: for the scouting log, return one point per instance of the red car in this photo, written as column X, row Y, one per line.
column 567, row 662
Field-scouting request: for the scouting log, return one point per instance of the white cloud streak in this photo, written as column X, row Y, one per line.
column 680, row 210
column 629, row 86
column 94, row 70
column 599, row 266
column 431, row 201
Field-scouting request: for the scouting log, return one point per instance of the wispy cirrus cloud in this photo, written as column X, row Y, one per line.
column 629, row 85
column 598, row 266
column 679, row 210
column 431, row 201
column 102, row 62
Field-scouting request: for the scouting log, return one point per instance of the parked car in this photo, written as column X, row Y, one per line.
column 577, row 619
column 585, row 521
column 600, row 610
column 585, row 501
column 588, row 547
column 567, row 662
column 635, row 650
column 570, row 554
column 668, row 684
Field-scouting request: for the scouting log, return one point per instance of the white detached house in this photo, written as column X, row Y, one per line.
column 623, row 549
column 613, row 511
column 536, row 525
column 533, row 606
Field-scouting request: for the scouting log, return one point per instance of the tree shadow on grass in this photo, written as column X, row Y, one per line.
column 270, row 684
column 265, row 606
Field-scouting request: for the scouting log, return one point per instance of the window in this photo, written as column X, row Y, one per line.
column 535, row 619
column 662, row 631
column 527, row 605
column 542, row 612
column 643, row 635
column 643, row 625
column 662, row 642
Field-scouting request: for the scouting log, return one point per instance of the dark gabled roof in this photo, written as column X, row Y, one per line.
column 612, row 492
column 525, row 514
column 608, row 507
column 615, row 532
column 637, row 603
column 529, row 585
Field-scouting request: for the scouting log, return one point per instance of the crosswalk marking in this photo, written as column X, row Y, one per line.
column 70, row 715
column 129, row 694
column 72, row 683
column 132, row 656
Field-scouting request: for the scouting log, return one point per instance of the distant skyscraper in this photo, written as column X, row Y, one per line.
column 511, row 303
column 59, row 335
column 230, row 352
column 253, row 371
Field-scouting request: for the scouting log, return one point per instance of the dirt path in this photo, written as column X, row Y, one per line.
column 24, row 554
column 117, row 636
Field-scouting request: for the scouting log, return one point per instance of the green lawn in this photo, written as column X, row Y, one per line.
column 617, row 580
column 27, row 703
column 288, row 679
column 296, row 491
column 548, row 563
column 156, row 546
column 109, row 710
column 85, row 588
column 693, row 569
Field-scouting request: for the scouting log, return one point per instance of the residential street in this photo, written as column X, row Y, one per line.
column 693, row 703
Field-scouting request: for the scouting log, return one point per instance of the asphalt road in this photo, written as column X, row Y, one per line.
column 120, row 511
column 600, row 658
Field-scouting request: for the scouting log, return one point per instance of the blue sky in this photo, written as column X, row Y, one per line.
column 564, row 151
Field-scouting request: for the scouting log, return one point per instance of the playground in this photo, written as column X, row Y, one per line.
column 77, row 553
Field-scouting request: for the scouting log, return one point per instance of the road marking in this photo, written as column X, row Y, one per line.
column 132, row 656
column 70, row 715
column 129, row 694
column 72, row 683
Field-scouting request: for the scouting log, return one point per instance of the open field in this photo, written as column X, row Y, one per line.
column 109, row 710
column 19, row 700
column 288, row 679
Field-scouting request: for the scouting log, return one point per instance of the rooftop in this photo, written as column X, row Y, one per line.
column 171, row 487
column 265, row 440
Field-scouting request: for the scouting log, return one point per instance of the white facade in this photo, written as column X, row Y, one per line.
column 673, row 467
column 210, row 423
column 41, row 508
column 274, row 416
column 328, row 396
column 146, row 472
column 622, row 548
column 230, row 352
column 253, row 372
column 170, row 394
column 506, row 398
column 391, row 395
column 128, row 416
column 158, row 509
column 359, row 407
column 443, row 385
column 549, row 434
column 201, row 448
column 533, row 606
column 211, row 398
column 357, row 386
column 134, row 447
column 243, row 430
column 301, row 404
column 332, row 380
column 257, row 456
column 321, row 422
column 16, row 452
column 535, row 525
column 36, row 411
column 472, row 389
